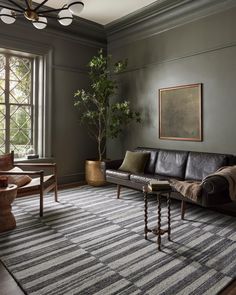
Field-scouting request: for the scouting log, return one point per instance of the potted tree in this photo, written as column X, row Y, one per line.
column 103, row 118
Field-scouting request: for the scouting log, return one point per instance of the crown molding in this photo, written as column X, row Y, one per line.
column 81, row 30
column 10, row 43
column 161, row 16
column 143, row 14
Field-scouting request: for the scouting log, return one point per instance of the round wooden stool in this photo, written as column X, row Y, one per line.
column 7, row 196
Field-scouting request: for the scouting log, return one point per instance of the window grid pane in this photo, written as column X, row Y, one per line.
column 2, row 128
column 16, row 104
column 2, row 77
column 20, row 128
column 20, row 80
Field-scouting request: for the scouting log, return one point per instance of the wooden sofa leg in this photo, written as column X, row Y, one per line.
column 118, row 191
column 55, row 193
column 41, row 205
column 41, row 196
column 55, row 188
column 183, row 208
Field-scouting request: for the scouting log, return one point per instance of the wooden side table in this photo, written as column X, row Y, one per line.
column 157, row 230
column 7, row 196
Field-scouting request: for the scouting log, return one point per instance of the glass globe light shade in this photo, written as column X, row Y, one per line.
column 75, row 7
column 8, row 17
column 65, row 17
column 41, row 23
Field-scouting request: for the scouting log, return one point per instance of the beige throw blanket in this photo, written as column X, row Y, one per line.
column 189, row 189
column 192, row 189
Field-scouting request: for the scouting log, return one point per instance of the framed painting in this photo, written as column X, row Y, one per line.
column 180, row 112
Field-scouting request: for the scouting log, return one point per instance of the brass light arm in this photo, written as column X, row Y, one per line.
column 10, row 8
column 29, row 6
column 53, row 10
column 16, row 4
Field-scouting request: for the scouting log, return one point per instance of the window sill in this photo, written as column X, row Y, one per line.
column 37, row 160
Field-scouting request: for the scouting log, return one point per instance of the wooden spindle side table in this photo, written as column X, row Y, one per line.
column 7, row 196
column 157, row 230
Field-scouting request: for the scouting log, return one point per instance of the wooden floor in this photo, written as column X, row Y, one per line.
column 9, row 287
column 230, row 290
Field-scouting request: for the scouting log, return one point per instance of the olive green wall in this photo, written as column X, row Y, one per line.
column 68, row 52
column 200, row 51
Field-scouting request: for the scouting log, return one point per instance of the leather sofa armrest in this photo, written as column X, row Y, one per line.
column 215, row 184
column 113, row 164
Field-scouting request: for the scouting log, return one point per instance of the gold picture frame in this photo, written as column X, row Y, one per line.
column 180, row 112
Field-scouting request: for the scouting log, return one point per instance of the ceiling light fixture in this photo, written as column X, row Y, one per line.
column 38, row 15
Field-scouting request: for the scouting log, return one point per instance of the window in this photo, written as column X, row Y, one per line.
column 17, row 104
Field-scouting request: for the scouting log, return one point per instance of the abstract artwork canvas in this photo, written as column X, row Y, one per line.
column 180, row 112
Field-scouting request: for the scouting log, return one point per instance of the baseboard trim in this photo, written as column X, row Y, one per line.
column 71, row 185
column 71, row 178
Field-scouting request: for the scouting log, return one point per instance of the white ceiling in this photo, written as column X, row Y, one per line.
column 104, row 11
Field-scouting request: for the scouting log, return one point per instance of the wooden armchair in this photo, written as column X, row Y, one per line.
column 40, row 184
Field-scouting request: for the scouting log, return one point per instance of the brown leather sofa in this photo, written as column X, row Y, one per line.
column 181, row 165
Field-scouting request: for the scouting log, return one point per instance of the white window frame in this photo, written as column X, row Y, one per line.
column 43, row 56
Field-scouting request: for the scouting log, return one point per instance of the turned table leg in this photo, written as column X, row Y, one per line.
column 183, row 208
column 145, row 215
column 168, row 212
column 118, row 191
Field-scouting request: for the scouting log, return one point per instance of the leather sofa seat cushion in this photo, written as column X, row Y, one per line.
column 145, row 178
column 171, row 163
column 150, row 165
column 199, row 165
column 118, row 174
column 141, row 178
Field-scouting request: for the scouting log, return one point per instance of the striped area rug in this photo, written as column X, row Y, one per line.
column 93, row 243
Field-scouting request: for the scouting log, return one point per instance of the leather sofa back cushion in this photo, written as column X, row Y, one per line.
column 150, row 165
column 199, row 165
column 171, row 163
